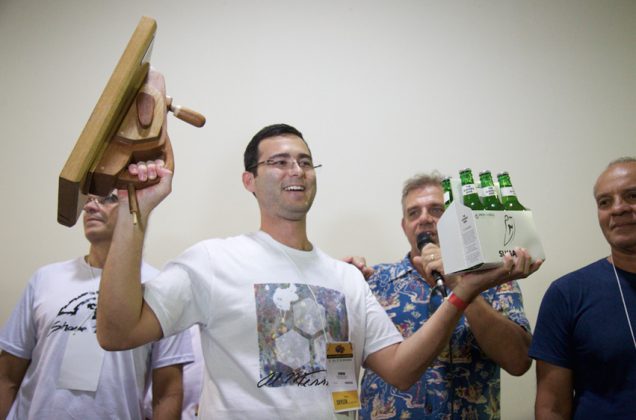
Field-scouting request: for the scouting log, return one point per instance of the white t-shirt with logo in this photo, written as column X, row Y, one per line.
column 266, row 312
column 61, row 299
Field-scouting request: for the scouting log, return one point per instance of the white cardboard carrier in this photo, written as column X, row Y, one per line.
column 477, row 240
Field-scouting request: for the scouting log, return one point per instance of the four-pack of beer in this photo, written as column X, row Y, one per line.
column 483, row 222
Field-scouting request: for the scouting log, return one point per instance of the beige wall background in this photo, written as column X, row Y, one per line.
column 381, row 90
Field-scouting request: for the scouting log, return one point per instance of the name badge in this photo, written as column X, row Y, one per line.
column 82, row 362
column 343, row 383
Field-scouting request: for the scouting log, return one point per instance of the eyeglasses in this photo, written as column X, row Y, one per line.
column 285, row 164
column 102, row 201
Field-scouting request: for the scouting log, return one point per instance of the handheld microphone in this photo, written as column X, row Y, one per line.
column 425, row 238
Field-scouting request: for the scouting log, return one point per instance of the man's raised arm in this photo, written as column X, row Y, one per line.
column 124, row 320
column 403, row 364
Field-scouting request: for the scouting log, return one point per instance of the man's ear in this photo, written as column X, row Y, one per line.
column 248, row 181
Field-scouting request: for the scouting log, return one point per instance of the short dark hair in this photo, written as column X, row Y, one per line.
column 250, row 157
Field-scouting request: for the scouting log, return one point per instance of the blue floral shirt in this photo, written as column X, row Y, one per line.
column 464, row 377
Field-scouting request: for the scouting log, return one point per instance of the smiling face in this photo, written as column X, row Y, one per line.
column 615, row 195
column 284, row 192
column 421, row 209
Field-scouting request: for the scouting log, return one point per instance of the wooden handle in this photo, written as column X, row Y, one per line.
column 186, row 114
column 124, row 178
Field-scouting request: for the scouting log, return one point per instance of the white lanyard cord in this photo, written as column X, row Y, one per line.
column 629, row 322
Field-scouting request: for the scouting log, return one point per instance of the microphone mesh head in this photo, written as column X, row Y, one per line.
column 422, row 239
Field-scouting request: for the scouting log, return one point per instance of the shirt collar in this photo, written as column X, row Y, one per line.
column 405, row 268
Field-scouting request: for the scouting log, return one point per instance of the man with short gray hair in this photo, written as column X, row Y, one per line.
column 463, row 382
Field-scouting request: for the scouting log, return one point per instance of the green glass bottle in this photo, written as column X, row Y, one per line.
column 488, row 192
column 469, row 191
column 508, row 196
column 448, row 191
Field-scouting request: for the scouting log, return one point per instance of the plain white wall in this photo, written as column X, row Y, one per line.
column 381, row 90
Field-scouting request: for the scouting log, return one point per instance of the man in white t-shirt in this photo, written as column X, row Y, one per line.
column 269, row 302
column 51, row 366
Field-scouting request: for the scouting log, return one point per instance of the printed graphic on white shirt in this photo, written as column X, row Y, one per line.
column 294, row 322
column 77, row 315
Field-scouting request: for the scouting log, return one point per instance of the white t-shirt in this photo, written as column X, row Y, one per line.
column 59, row 300
column 266, row 312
